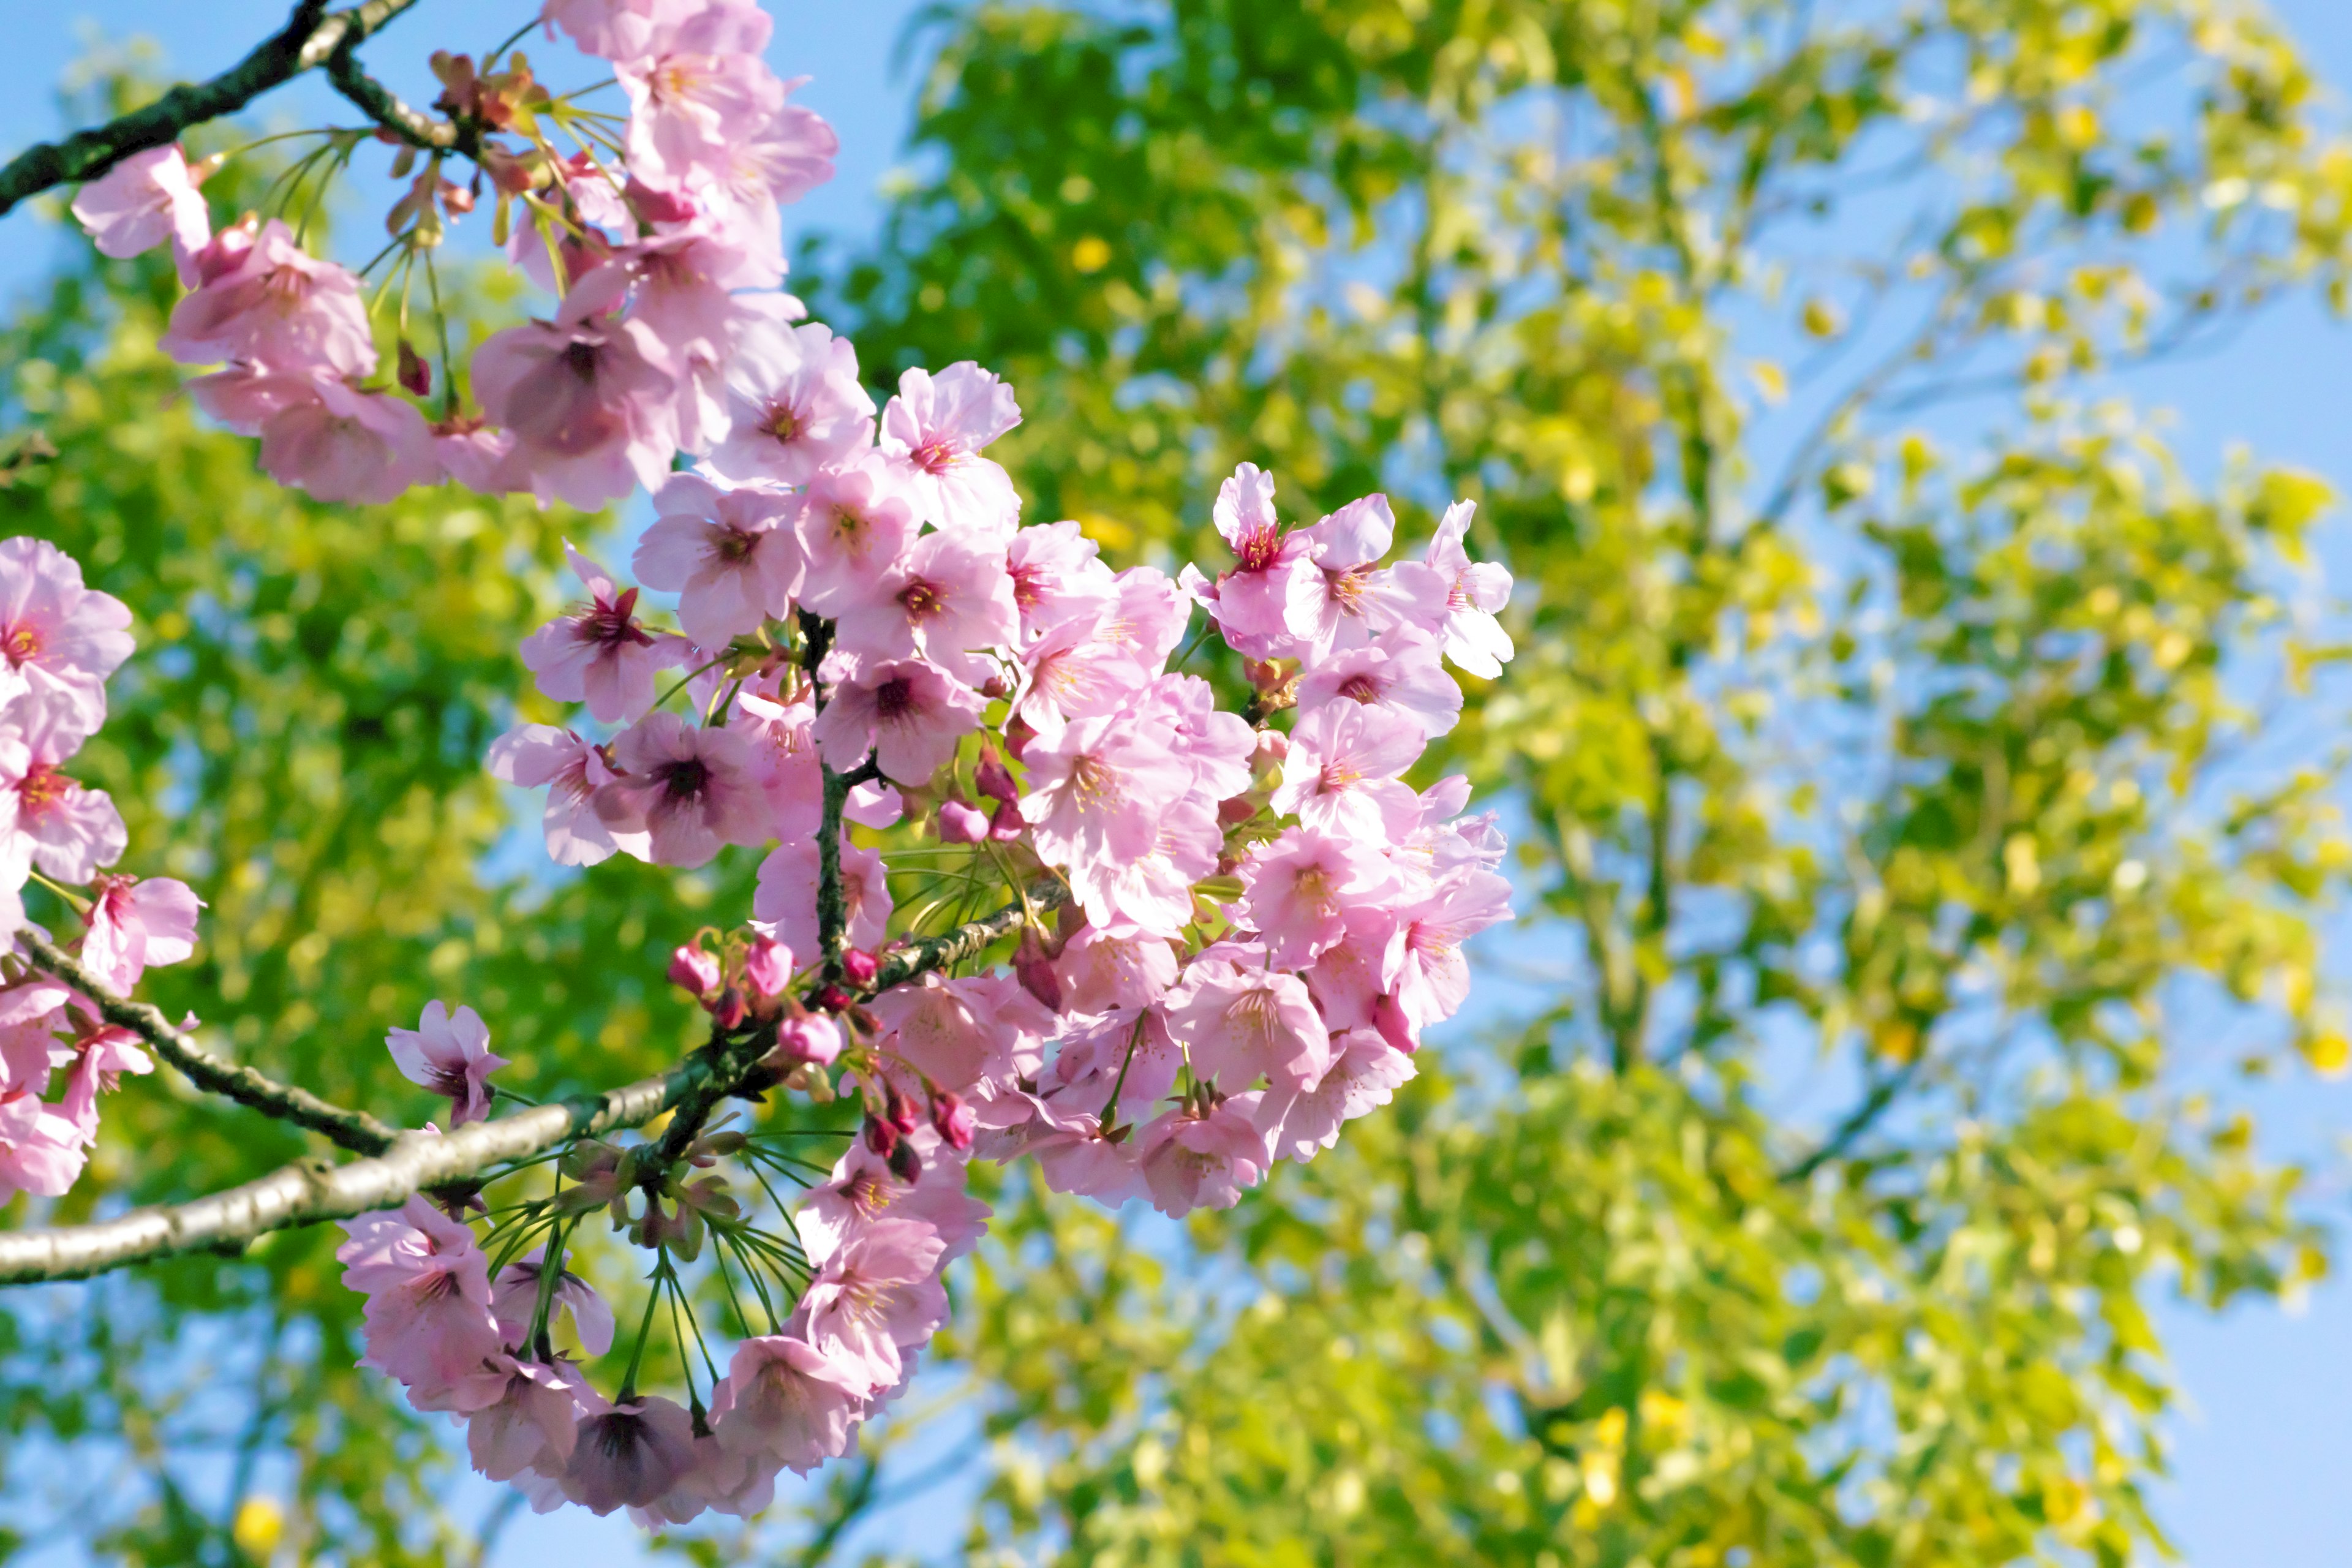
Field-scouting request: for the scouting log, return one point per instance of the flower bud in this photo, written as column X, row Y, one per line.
column 656, row 206
column 833, row 999
column 809, row 1037
column 691, row 968
column 768, row 967
column 880, row 1136
column 994, row 780
column 1035, row 969
column 860, row 966
column 961, row 824
column 415, row 373
column 901, row 1111
column 1236, row 811
column 953, row 1120
column 1007, row 824
column 730, row 1011
column 905, row 1164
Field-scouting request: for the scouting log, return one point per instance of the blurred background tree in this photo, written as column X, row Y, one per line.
column 1918, row 768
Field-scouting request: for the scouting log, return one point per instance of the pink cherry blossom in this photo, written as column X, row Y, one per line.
column 786, row 1401
column 1364, row 1073
column 600, row 653
column 1355, row 598
column 1195, row 1162
column 534, row 1423
column 31, row 1017
column 337, row 443
column 1433, row 975
column 699, row 89
column 1148, row 617
column 448, row 1054
column 41, row 1152
column 101, row 1058
column 908, row 714
column 514, row 1298
column 261, row 298
column 145, row 200
column 1119, row 966
column 961, row 822
column 1099, row 789
column 690, row 790
column 1070, row 673
column 60, row 640
column 615, row 29
column 473, row 454
column 1475, row 591
column 1056, row 578
column 785, row 897
column 1299, row 887
column 725, row 552
column 953, row 1032
column 933, row 432
column 1341, row 775
column 592, row 414
column 878, row 1295
column 1236, row 1025
column 1400, row 670
column 1354, row 975
column 1154, row 892
column 66, row 829
column 794, row 405
column 853, row 523
column 427, row 1319
column 863, row 1191
column 785, row 762
column 572, row 770
column 948, row 595
column 134, row 924
column 737, row 191
column 629, row 1456
column 1271, row 602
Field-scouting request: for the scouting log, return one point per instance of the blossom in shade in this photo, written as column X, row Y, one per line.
column 784, row 760
column 794, row 405
column 134, row 924
column 41, row 1152
column 1299, row 887
column 723, row 552
column 785, row 897
column 323, row 435
column 908, row 713
column 1271, row 601
column 450, row 1055
column 66, row 829
column 1475, row 591
column 600, row 653
column 1340, row 774
column 948, row 595
column 530, row 755
column 1238, row 1024
column 514, row 1298
column 933, row 432
column 787, row 1402
column 880, row 1293
column 630, row 1454
column 689, row 790
column 259, row 296
column 592, row 414
column 59, row 640
column 427, row 1320
column 534, row 1423
column 145, row 200
column 853, row 524
column 1193, row 1162
column 1400, row 670
column 1365, row 1072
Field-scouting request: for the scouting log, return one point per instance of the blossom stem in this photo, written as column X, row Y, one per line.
column 645, row 1329
column 1110, row 1107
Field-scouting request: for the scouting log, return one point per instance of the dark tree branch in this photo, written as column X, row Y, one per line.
column 353, row 1130
column 973, row 937
column 1860, row 1120
column 311, row 38
column 383, row 106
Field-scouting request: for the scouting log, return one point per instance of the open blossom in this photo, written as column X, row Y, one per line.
column 1071, row 673
column 785, row 762
column 785, row 897
column 1194, row 1161
column 1271, row 601
column 1475, row 592
column 600, row 653
column 786, row 1401
column 336, row 443
column 933, row 432
column 1400, row 670
column 261, row 298
column 1299, row 889
column 136, row 924
column 1119, row 966
column 628, row 1455
column 947, row 595
column 428, row 1322
column 448, row 1054
column 100, row 1058
column 592, row 414
column 853, row 523
column 41, row 1152
column 59, row 640
column 1433, row 975
column 535, row 1422
column 957, row 1032
column 530, row 755
column 699, row 88
column 1365, row 1072
column 908, row 714
column 1355, row 598
column 794, row 405
column 1341, row 773
column 145, row 200
column 725, row 552
column 863, row 1191
column 1058, row 577
column 514, row 1298
column 1099, row 789
column 1239, row 1024
column 689, row 790
column 66, row 829
column 879, row 1294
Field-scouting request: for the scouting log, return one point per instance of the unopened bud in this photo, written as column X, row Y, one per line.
column 1035, row 970
column 809, row 1037
column 768, row 967
column 730, row 1011
column 860, row 966
column 953, row 1119
column 833, row 999
column 961, row 823
column 905, row 1164
column 1273, row 746
column 656, row 206
column 415, row 373
column 693, row 969
column 994, row 779
column 880, row 1136
column 1008, row 824
column 1234, row 812
column 901, row 1111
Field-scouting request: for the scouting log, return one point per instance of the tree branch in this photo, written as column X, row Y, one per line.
column 1860, row 1120
column 311, row 38
column 383, row 106
column 952, row 947
column 353, row 1130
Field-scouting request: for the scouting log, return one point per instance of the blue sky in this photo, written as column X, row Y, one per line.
column 2261, row 1467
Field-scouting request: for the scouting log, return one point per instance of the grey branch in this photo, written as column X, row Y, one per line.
column 353, row 1130
column 311, row 38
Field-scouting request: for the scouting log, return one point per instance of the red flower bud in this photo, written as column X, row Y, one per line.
column 995, row 781
column 1007, row 824
column 656, row 206
column 1035, row 970
column 953, row 1119
column 880, row 1136
column 730, row 1011
column 415, row 375
column 905, row 1164
column 860, row 966
column 693, row 969
column 901, row 1112
column 833, row 999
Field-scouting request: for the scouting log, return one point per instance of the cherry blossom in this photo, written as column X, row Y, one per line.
column 687, row 790
column 143, row 201
column 259, row 296
column 448, row 1053
column 794, row 405
column 134, row 924
column 602, row 653
column 1475, row 591
column 530, row 755
column 723, row 552
column 59, row 640
column 933, row 432
column 786, row 1401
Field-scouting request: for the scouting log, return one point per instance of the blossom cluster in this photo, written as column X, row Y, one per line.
column 658, row 234
column 59, row 642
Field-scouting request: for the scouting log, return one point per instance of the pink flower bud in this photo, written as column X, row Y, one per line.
column 656, row 206
column 901, row 1111
column 905, row 1164
column 860, row 966
column 1035, row 970
column 810, row 1037
column 961, row 824
column 768, row 967
column 1273, row 746
column 880, row 1136
column 953, row 1119
column 730, row 1011
column 1007, row 824
column 995, row 781
column 693, row 969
